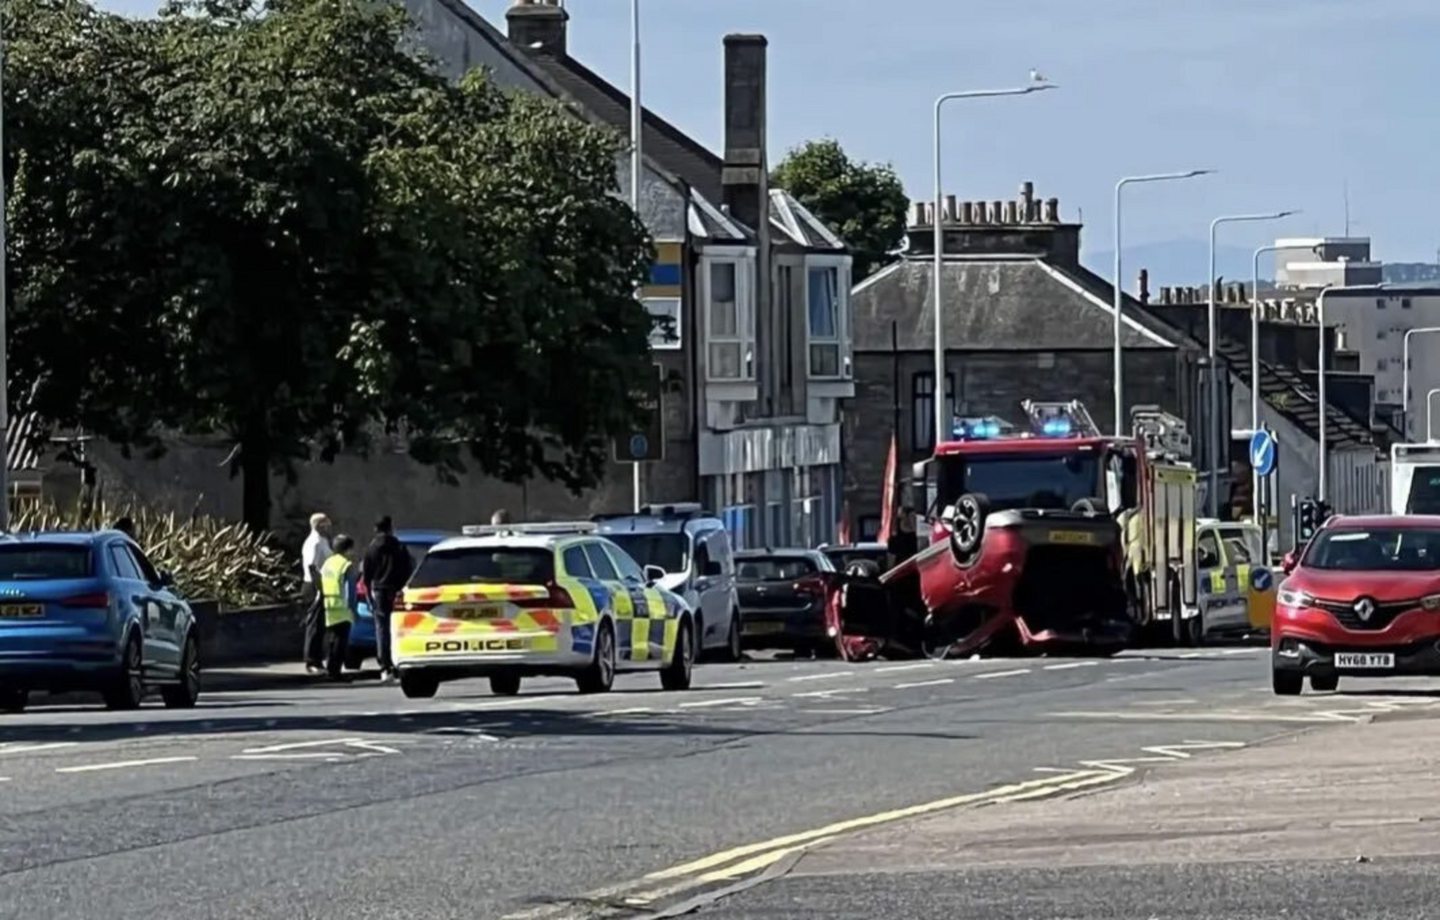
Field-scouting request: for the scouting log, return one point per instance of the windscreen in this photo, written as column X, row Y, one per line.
column 1021, row 480
column 774, row 568
column 841, row 558
column 670, row 551
column 1375, row 550
column 1424, row 495
column 40, row 561
column 485, row 565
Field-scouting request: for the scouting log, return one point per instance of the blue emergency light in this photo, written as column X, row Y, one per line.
column 1056, row 427
column 976, row 429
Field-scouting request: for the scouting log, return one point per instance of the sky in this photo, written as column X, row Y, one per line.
column 1294, row 102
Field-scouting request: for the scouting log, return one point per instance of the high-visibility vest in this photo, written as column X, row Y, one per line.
column 332, row 588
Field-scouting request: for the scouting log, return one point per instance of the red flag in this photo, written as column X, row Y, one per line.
column 842, row 532
column 887, row 501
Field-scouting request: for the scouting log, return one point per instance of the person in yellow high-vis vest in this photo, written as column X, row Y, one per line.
column 338, row 576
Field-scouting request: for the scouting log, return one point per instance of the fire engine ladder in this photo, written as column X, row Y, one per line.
column 1074, row 412
column 1164, row 435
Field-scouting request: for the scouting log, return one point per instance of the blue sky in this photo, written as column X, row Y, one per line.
column 1289, row 99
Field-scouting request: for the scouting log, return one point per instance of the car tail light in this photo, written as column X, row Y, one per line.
column 557, row 598
column 90, row 601
column 418, row 606
column 814, row 585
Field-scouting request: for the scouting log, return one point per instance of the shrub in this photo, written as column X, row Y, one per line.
column 209, row 558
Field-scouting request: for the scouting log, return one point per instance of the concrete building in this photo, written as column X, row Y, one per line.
column 756, row 290
column 1316, row 262
column 1373, row 327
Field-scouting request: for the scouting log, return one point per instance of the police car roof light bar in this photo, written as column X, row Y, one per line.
column 551, row 527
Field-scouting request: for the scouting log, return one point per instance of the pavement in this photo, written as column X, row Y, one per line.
column 801, row 788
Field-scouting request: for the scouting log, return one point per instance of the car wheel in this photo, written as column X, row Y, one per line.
column 1195, row 629
column 505, row 684
column 676, row 675
column 354, row 660
column 184, row 693
column 967, row 530
column 732, row 650
column 599, row 675
column 1287, row 683
column 417, row 685
column 1324, row 683
column 14, row 701
column 127, row 689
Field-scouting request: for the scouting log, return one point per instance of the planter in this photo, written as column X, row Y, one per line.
column 251, row 635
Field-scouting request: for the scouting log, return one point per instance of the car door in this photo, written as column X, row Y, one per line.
column 657, row 615
column 713, row 599
column 631, row 628
column 577, row 568
column 171, row 615
column 135, row 598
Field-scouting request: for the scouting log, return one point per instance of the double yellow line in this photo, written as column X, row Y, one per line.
column 745, row 861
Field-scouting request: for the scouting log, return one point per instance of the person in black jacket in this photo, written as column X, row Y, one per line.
column 385, row 569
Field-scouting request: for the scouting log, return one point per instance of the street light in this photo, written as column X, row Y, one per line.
column 636, row 126
column 1255, row 376
column 1320, row 323
column 1212, row 452
column 1037, row 84
column 1119, row 293
column 4, row 338
column 1405, row 378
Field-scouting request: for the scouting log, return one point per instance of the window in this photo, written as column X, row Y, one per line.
column 670, row 551
column 702, row 555
column 147, row 571
column 1207, row 551
column 576, row 565
column 823, row 309
column 1020, row 481
column 786, row 300
column 600, row 562
column 664, row 313
column 1385, row 549
column 30, row 561
column 485, row 565
column 629, row 568
column 1242, row 546
column 922, row 408
column 731, row 324
column 775, row 568
column 123, row 563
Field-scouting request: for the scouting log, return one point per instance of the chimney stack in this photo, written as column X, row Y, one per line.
column 1027, row 203
column 537, row 26
column 1144, row 290
column 744, row 175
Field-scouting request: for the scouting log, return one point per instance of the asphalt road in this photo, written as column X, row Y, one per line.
column 353, row 802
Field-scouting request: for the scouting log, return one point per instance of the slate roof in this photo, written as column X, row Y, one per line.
column 991, row 304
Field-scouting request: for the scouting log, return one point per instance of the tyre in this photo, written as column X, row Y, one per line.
column 417, row 685
column 354, row 660
column 1324, row 683
column 676, row 675
column 599, row 675
column 1177, row 620
column 185, row 693
column 14, row 701
column 1089, row 506
column 1286, row 683
column 505, row 684
column 1195, row 630
column 732, row 651
column 127, row 689
column 967, row 530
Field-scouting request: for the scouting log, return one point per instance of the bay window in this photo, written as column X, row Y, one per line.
column 825, row 321
column 731, row 321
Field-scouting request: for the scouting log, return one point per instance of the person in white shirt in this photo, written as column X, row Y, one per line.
column 313, row 554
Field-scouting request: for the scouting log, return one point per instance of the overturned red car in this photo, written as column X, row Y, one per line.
column 1023, row 557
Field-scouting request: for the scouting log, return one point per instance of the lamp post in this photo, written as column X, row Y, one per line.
column 4, row 335
column 1320, row 362
column 1405, row 379
column 1037, row 84
column 1119, row 292
column 1212, row 452
column 636, row 126
column 1255, row 502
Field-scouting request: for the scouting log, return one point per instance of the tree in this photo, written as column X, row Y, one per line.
column 312, row 235
column 864, row 203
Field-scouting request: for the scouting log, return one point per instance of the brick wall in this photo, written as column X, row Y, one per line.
column 987, row 383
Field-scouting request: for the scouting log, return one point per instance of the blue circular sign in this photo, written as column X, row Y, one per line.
column 639, row 446
column 1263, row 452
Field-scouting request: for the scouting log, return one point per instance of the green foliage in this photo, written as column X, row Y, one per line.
column 210, row 559
column 864, row 203
column 273, row 222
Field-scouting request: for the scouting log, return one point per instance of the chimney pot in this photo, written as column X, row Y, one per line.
column 967, row 213
column 1027, row 202
column 1052, row 210
column 917, row 214
column 997, row 213
column 950, row 212
column 537, row 26
column 1010, row 220
column 979, row 212
column 1144, row 287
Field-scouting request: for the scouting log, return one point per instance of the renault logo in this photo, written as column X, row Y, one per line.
column 1364, row 608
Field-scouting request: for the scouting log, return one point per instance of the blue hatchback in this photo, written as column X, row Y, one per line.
column 87, row 611
column 362, row 634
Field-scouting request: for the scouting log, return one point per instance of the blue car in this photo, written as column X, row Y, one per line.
column 362, row 634
column 87, row 611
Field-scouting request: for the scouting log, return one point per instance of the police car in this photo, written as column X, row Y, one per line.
column 526, row 600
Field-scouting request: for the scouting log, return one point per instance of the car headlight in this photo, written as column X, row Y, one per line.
column 1293, row 598
column 1432, row 602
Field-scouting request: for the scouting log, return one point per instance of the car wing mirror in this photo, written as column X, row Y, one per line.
column 167, row 580
column 1288, row 562
column 653, row 573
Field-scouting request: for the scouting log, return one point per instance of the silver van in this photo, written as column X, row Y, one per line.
column 691, row 546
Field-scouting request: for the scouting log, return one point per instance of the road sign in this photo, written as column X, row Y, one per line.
column 1262, row 452
column 646, row 443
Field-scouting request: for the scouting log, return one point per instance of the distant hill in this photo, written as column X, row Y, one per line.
column 1178, row 263
column 1410, row 272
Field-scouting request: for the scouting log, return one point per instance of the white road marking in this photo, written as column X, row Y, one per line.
column 294, row 745
column 926, row 683
column 632, row 711
column 1013, row 673
column 1070, row 664
column 1192, row 655
column 32, row 748
column 292, row 755
column 702, row 704
column 827, row 676
column 1242, row 651
column 859, row 711
column 4, row 779
column 832, row 692
column 905, row 667
column 123, row 764
column 741, row 685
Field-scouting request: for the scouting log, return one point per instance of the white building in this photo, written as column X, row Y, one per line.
column 1374, row 327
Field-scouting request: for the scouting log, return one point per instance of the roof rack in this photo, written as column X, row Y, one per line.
column 509, row 530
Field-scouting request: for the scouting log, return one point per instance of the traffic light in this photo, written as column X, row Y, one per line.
column 1309, row 520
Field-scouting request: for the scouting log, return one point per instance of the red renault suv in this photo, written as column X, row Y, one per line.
column 1361, row 600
